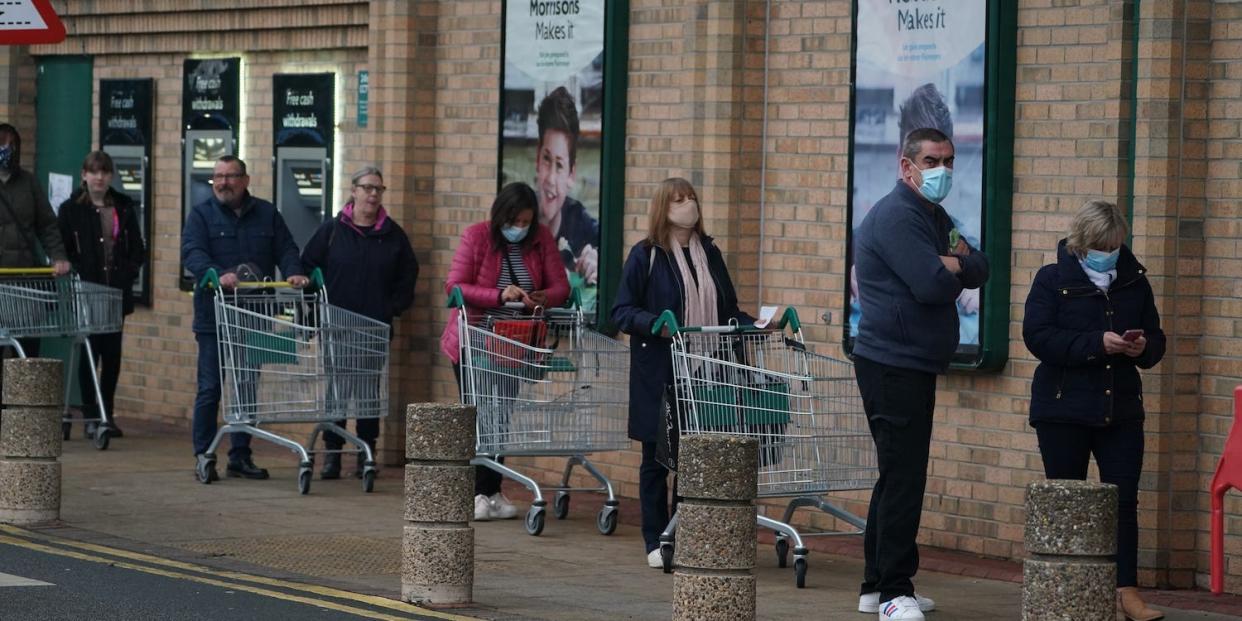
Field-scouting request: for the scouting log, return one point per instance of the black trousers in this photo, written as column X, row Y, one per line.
column 107, row 350
column 653, row 496
column 899, row 404
column 1118, row 450
column 486, row 480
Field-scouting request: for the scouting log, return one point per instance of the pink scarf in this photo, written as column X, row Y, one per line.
column 700, row 300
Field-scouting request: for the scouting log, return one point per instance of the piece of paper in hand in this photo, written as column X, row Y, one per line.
column 766, row 313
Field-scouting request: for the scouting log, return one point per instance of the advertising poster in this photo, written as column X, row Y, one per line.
column 551, row 121
column 917, row 65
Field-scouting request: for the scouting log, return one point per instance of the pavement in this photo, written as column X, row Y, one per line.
column 239, row 546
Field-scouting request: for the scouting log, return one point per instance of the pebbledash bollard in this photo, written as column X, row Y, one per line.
column 30, row 440
column 437, row 556
column 718, row 480
column 1071, row 536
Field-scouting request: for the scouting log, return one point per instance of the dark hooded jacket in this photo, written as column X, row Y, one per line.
column 1066, row 317
column 83, row 233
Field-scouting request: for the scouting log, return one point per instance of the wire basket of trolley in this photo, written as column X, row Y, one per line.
column 803, row 408
column 36, row 304
column 289, row 356
column 544, row 384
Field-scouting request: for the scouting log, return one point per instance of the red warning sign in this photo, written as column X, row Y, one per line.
column 29, row 22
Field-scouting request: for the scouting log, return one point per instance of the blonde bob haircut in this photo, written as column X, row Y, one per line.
column 1099, row 225
column 670, row 191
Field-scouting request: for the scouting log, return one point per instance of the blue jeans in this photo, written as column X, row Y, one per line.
column 207, row 401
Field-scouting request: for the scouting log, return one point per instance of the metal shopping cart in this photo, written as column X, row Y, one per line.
column 544, row 384
column 802, row 407
column 289, row 356
column 34, row 303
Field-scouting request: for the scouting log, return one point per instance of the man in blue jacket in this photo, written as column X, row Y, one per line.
column 908, row 279
column 228, row 230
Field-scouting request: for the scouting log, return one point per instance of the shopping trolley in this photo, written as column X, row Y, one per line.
column 544, row 384
column 288, row 356
column 803, row 408
column 34, row 303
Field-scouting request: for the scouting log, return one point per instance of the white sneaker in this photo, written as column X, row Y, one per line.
column 654, row 560
column 905, row 608
column 501, row 508
column 482, row 508
column 870, row 602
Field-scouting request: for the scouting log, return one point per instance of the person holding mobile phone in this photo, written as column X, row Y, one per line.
column 1092, row 322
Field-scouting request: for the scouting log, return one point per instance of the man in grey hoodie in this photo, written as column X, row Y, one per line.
column 909, row 276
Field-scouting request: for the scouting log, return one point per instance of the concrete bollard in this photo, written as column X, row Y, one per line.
column 1071, row 535
column 718, row 481
column 30, row 441
column 437, row 556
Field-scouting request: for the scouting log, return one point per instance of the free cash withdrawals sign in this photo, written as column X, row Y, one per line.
column 554, row 61
column 29, row 22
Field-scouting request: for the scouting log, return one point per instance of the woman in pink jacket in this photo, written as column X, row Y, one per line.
column 509, row 258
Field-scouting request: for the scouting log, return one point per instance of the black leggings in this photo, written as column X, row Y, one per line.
column 486, row 480
column 1118, row 451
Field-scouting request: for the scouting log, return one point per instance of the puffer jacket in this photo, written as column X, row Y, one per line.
column 22, row 197
column 1066, row 317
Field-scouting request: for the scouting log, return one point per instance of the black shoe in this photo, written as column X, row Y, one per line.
column 115, row 431
column 202, row 466
column 245, row 469
column 331, row 466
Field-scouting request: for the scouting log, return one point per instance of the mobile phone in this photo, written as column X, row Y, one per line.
column 1131, row 335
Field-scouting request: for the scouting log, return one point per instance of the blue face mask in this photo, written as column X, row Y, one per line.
column 6, row 157
column 1101, row 261
column 514, row 234
column 936, row 183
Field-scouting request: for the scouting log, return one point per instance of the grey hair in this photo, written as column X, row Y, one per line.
column 1098, row 225
column 914, row 141
column 366, row 171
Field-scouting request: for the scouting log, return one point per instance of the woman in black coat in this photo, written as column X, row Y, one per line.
column 666, row 272
column 1091, row 320
column 368, row 268
column 104, row 242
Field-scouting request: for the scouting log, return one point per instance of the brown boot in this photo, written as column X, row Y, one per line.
column 1133, row 607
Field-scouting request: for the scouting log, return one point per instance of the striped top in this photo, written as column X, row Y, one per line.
column 513, row 268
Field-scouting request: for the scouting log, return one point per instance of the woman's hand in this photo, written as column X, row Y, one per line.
column 512, row 293
column 536, row 298
column 1114, row 344
column 1135, row 348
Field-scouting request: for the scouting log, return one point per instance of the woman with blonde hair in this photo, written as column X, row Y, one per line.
column 1091, row 320
column 678, row 268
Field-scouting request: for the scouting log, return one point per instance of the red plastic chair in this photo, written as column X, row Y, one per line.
column 1228, row 475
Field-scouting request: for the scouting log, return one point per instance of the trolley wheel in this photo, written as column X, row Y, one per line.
column 205, row 471
column 666, row 555
column 66, row 430
column 304, row 480
column 368, row 481
column 534, row 521
column 102, row 436
column 782, row 552
column 560, row 506
column 606, row 521
column 800, row 572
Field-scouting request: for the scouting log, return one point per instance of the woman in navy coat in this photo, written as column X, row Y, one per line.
column 1091, row 320
column 677, row 268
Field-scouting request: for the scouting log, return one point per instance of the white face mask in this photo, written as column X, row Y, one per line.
column 684, row 214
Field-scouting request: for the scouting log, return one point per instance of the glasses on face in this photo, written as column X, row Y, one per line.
column 227, row 176
column 371, row 189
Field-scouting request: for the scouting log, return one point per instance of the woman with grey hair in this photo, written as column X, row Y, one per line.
column 369, row 268
column 1091, row 320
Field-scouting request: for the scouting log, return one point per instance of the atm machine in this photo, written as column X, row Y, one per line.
column 210, row 113
column 304, row 130
column 125, row 133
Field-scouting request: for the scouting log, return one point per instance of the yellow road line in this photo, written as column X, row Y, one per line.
column 372, row 600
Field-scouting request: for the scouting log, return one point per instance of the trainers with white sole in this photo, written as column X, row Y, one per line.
column 482, row 508
column 870, row 602
column 904, row 608
column 501, row 508
column 654, row 560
